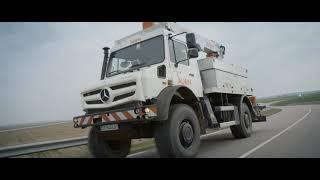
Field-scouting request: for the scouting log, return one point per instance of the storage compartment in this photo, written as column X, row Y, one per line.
column 220, row 77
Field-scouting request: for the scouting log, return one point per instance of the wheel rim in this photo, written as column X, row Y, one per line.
column 186, row 133
column 246, row 120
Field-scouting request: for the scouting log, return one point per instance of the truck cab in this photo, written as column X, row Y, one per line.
column 153, row 84
column 140, row 66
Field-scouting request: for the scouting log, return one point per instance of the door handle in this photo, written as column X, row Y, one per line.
column 191, row 74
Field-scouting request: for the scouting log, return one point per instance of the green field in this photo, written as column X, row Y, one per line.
column 312, row 97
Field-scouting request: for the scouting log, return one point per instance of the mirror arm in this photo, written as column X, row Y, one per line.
column 174, row 52
column 176, row 64
column 170, row 37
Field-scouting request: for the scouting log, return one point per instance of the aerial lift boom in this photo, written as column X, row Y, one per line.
column 211, row 48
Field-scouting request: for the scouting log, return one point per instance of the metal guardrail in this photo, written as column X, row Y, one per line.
column 24, row 149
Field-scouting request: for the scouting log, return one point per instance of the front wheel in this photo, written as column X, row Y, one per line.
column 100, row 147
column 244, row 129
column 179, row 135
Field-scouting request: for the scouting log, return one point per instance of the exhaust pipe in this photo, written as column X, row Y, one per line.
column 105, row 62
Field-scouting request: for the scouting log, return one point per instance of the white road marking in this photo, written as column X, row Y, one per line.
column 269, row 140
column 209, row 134
column 8, row 130
column 135, row 154
column 203, row 136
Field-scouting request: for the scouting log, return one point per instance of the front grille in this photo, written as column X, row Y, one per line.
column 117, row 98
column 92, row 93
column 129, row 105
column 94, row 102
column 123, row 85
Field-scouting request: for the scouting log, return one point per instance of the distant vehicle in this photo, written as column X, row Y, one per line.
column 152, row 86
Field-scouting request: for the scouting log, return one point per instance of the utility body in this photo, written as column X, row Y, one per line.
column 154, row 85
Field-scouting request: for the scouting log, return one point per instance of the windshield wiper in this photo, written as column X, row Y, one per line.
column 114, row 72
column 130, row 69
column 137, row 65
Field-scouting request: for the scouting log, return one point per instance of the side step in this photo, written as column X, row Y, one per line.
column 209, row 114
column 236, row 120
column 212, row 120
column 259, row 119
column 227, row 124
column 224, row 108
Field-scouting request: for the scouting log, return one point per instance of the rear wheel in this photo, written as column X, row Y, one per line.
column 100, row 147
column 244, row 129
column 179, row 135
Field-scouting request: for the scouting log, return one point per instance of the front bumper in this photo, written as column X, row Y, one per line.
column 116, row 116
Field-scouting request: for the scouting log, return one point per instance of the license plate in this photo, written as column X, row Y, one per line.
column 109, row 127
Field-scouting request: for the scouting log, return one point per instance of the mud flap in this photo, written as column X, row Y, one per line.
column 260, row 119
column 258, row 116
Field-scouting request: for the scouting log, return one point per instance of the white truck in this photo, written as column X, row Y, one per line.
column 154, row 84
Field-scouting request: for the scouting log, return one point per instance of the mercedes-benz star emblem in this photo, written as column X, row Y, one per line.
column 104, row 94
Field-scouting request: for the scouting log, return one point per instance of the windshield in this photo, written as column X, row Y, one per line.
column 142, row 54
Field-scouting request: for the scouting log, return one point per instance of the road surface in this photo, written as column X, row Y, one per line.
column 292, row 133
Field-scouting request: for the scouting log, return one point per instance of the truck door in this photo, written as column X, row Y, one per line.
column 185, row 73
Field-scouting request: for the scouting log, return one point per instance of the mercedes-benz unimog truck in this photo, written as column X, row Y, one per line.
column 154, row 84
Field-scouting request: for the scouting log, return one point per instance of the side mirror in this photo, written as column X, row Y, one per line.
column 193, row 53
column 191, row 40
column 223, row 50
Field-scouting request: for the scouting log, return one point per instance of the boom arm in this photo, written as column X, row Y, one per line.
column 211, row 48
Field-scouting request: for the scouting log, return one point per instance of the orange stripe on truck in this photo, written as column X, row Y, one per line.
column 153, row 109
column 127, row 115
column 81, row 121
column 118, row 119
column 90, row 120
column 141, row 113
column 105, row 118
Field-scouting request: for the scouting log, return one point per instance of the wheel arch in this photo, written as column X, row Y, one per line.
column 173, row 95
column 250, row 106
column 170, row 95
column 238, row 100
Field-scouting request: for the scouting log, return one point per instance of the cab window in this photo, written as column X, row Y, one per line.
column 180, row 52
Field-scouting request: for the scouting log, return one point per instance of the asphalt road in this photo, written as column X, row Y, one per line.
column 292, row 133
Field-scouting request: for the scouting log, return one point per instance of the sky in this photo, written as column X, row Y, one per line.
column 44, row 66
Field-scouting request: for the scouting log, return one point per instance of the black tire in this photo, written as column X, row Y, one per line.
column 99, row 147
column 244, row 129
column 179, row 135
